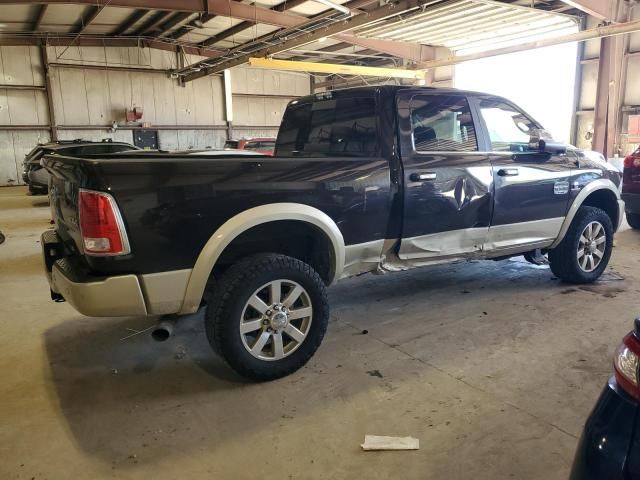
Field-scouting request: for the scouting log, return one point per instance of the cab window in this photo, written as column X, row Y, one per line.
column 509, row 128
column 442, row 123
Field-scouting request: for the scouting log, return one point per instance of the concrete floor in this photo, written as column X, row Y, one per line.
column 494, row 366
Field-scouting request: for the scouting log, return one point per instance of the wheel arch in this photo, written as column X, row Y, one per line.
column 601, row 193
column 243, row 222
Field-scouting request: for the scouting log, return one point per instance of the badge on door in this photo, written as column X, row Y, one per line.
column 561, row 187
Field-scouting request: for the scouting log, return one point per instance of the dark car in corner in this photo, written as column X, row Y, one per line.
column 37, row 177
column 631, row 189
column 610, row 444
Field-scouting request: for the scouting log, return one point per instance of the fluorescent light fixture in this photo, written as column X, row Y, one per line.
column 336, row 6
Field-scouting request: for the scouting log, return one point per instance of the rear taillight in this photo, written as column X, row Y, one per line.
column 625, row 363
column 101, row 225
column 632, row 161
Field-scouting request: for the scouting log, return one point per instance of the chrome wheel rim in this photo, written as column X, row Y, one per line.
column 276, row 320
column 591, row 246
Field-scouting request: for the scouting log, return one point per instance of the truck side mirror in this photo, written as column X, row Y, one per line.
column 542, row 141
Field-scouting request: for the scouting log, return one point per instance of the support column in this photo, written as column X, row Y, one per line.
column 44, row 57
column 228, row 103
column 608, row 90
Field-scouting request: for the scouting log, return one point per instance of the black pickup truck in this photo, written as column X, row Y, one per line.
column 377, row 178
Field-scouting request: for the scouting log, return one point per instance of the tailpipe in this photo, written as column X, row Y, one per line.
column 163, row 331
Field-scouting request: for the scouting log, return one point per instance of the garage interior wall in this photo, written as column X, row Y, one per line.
column 588, row 81
column 86, row 101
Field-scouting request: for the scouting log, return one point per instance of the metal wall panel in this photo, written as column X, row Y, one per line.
column 99, row 97
column 587, row 99
column 632, row 87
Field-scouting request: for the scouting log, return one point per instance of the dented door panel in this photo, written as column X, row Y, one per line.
column 447, row 197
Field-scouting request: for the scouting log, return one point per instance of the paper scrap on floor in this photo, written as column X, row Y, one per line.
column 375, row 442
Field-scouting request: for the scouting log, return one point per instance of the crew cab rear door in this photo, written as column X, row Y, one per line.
column 447, row 179
column 532, row 189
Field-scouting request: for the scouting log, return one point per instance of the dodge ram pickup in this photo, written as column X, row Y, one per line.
column 367, row 179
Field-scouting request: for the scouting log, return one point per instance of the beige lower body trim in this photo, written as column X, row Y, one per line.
column 110, row 297
column 443, row 244
column 515, row 236
column 164, row 291
column 364, row 257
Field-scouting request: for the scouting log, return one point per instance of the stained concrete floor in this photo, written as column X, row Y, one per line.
column 494, row 366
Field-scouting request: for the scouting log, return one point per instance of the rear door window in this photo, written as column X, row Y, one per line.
column 331, row 127
column 442, row 123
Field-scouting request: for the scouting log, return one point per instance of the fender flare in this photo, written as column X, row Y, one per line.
column 599, row 184
column 242, row 222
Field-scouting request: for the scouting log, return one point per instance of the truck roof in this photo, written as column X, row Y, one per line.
column 391, row 89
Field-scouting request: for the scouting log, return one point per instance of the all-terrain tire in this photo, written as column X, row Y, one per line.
column 633, row 219
column 229, row 301
column 564, row 258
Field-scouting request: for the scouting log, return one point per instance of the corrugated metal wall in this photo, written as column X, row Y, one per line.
column 86, row 101
column 588, row 86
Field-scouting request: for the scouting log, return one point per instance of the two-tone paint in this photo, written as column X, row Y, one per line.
column 397, row 208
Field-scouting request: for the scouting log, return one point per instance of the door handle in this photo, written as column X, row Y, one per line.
column 508, row 172
column 421, row 177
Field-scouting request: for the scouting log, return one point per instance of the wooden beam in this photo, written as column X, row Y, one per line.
column 129, row 22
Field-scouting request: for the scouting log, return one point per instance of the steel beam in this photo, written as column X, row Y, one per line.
column 37, row 21
column 183, row 30
column 97, row 41
column 603, row 9
column 151, row 24
column 88, row 16
column 129, row 22
column 335, row 68
column 174, row 20
column 406, row 50
column 356, row 21
column 44, row 58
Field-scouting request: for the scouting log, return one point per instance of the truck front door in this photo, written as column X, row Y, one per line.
column 447, row 180
column 532, row 189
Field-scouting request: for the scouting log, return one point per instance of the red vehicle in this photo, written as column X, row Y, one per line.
column 631, row 188
column 264, row 145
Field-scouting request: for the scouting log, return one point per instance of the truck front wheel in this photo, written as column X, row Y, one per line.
column 267, row 316
column 585, row 251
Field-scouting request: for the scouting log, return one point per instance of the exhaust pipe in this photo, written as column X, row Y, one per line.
column 164, row 329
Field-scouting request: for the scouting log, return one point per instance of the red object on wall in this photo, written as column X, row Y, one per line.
column 134, row 114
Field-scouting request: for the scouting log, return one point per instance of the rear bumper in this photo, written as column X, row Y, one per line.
column 114, row 296
column 604, row 445
column 632, row 202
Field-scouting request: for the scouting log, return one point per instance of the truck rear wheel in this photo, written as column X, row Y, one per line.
column 633, row 219
column 585, row 251
column 267, row 316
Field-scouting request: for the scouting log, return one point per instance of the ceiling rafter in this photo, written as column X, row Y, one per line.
column 88, row 16
column 132, row 19
column 172, row 21
column 183, row 30
column 37, row 20
column 200, row 69
column 281, row 7
column 151, row 23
